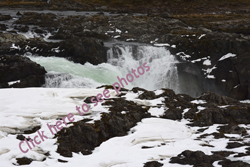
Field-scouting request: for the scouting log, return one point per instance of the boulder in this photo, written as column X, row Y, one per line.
column 13, row 38
column 22, row 71
column 84, row 137
column 82, row 50
column 153, row 164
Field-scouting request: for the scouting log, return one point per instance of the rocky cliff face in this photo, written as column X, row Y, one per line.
column 20, row 72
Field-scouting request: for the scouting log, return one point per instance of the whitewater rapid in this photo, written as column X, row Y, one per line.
column 63, row 73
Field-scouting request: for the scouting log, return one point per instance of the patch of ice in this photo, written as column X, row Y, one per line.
column 55, row 50
column 197, row 60
column 155, row 102
column 117, row 36
column 185, row 110
column 30, row 34
column 207, row 62
column 130, row 39
column 210, row 76
column 183, row 57
column 198, row 101
column 236, row 86
column 216, row 164
column 245, row 101
column 13, row 82
column 158, row 92
column 201, row 108
column 13, row 46
column 117, row 30
column 223, row 106
column 233, row 135
column 154, row 111
column 208, row 71
column 227, row 56
column 161, row 44
column 154, row 40
column 202, row 36
column 130, row 96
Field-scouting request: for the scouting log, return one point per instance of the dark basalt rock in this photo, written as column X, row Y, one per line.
column 236, row 73
column 4, row 17
column 217, row 99
column 148, row 95
column 214, row 44
column 22, row 28
column 223, row 153
column 229, row 163
column 210, row 116
column 88, row 99
column 233, row 129
column 3, row 27
column 215, row 135
column 198, row 158
column 20, row 137
column 24, row 161
column 232, row 145
column 79, row 50
column 174, row 114
column 62, row 161
column 236, row 113
column 18, row 14
column 11, row 38
column 153, row 164
column 82, row 50
column 84, row 137
column 40, row 19
column 15, row 67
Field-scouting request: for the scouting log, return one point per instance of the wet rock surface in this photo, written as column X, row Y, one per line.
column 27, row 72
column 79, row 50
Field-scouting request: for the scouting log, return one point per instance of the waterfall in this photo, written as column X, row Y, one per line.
column 163, row 70
column 121, row 59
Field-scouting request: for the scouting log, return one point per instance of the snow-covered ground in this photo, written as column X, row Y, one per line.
column 22, row 109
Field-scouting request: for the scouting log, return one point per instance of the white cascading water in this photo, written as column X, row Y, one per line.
column 163, row 71
column 121, row 59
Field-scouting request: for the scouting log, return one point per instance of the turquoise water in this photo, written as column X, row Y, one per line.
column 121, row 59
